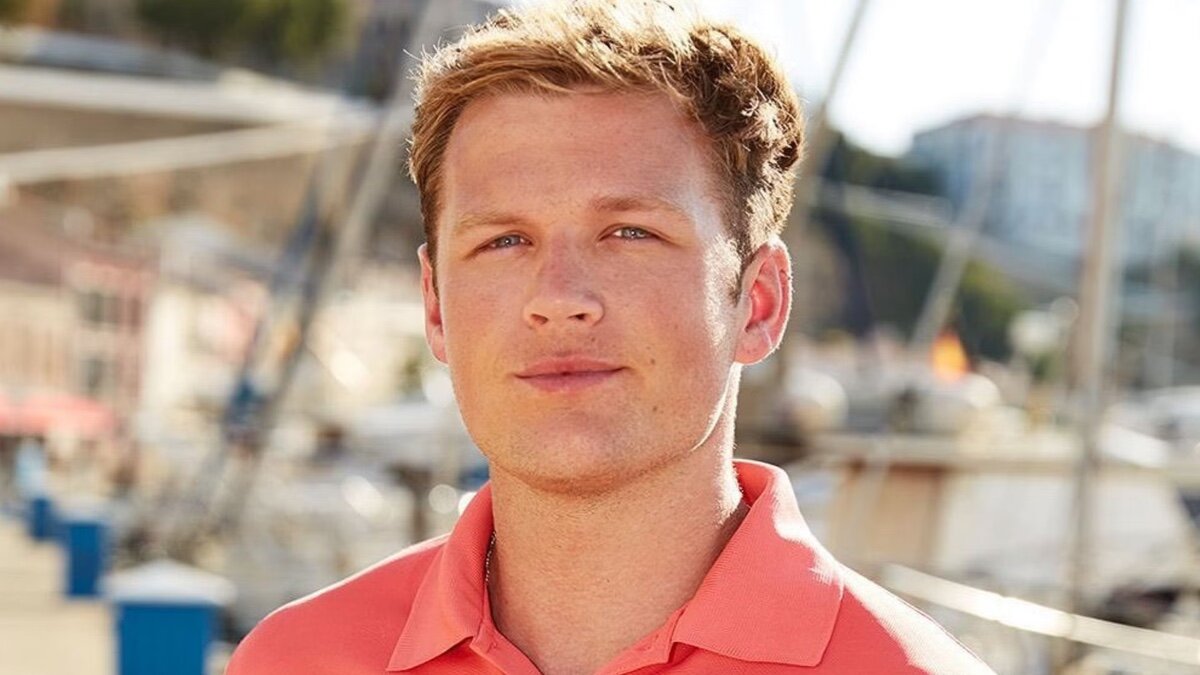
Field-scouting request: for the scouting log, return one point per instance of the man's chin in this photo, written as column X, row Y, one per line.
column 571, row 468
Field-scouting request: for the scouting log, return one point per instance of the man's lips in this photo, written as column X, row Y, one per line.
column 568, row 374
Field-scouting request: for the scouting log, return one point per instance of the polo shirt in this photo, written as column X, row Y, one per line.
column 774, row 602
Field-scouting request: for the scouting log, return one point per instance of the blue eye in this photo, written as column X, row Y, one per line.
column 630, row 232
column 507, row 241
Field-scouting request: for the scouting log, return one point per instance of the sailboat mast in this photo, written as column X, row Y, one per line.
column 1099, row 297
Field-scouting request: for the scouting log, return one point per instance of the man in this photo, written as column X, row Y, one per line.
column 603, row 185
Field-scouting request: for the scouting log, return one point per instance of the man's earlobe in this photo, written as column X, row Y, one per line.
column 435, row 333
column 767, row 302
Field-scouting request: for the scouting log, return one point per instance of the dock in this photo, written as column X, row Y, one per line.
column 41, row 631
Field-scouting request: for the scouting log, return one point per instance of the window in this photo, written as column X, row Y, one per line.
column 95, row 375
column 100, row 309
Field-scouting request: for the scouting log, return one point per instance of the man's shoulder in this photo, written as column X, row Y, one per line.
column 897, row 633
column 358, row 618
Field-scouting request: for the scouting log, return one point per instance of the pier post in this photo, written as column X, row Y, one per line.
column 85, row 543
column 165, row 617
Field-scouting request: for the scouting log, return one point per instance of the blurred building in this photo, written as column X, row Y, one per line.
column 200, row 317
column 212, row 307
column 1041, row 193
column 73, row 309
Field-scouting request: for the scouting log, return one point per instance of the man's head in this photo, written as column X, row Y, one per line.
column 588, row 234
column 749, row 114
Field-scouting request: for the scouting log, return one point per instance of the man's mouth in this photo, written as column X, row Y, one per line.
column 565, row 375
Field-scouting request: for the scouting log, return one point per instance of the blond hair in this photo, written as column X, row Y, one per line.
column 720, row 78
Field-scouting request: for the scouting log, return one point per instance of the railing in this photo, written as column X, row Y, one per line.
column 1038, row 619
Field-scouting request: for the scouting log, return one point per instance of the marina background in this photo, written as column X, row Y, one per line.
column 215, row 395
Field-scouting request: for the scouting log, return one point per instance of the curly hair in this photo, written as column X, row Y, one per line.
column 717, row 76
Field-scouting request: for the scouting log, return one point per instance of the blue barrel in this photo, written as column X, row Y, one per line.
column 156, row 638
column 166, row 615
column 41, row 523
column 85, row 539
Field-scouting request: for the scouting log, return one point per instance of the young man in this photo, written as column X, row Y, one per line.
column 603, row 184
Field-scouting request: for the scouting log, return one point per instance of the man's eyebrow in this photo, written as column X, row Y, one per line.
column 604, row 203
column 476, row 219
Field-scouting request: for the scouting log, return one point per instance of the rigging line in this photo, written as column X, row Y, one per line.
column 312, row 247
column 969, row 224
column 337, row 270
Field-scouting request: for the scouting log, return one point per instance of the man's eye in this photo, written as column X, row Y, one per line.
column 629, row 232
column 507, row 241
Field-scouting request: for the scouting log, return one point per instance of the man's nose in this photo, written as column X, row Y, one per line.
column 563, row 293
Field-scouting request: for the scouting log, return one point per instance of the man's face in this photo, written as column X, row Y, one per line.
column 584, row 275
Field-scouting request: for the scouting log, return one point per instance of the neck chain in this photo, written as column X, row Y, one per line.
column 487, row 562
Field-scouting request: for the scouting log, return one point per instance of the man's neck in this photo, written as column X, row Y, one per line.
column 574, row 581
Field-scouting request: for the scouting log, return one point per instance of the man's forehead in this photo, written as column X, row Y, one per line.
column 608, row 152
column 584, row 113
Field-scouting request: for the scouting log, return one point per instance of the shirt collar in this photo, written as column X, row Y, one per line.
column 773, row 593
column 448, row 606
column 771, row 596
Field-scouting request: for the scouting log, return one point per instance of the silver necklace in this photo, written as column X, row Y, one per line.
column 487, row 562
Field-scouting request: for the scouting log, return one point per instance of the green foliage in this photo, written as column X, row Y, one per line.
column 279, row 31
column 1189, row 278
column 852, row 164
column 899, row 271
column 1187, row 263
column 12, row 10
column 294, row 30
column 987, row 303
column 899, row 268
column 204, row 26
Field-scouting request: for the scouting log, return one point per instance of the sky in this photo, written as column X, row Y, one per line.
column 919, row 63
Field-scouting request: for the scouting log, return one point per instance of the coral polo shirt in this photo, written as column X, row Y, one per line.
column 774, row 602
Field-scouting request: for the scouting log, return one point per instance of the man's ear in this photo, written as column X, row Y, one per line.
column 765, row 301
column 435, row 332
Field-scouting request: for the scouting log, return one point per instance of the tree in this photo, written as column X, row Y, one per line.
column 892, row 271
column 851, row 163
column 1189, row 278
column 899, row 270
column 277, row 31
column 206, row 27
column 293, row 31
column 12, row 10
column 987, row 303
